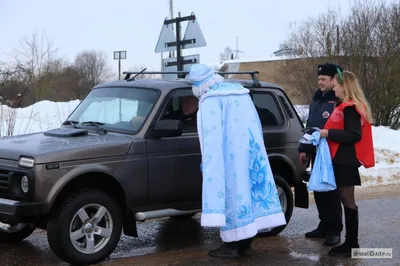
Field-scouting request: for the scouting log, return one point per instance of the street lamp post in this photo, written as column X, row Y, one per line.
column 118, row 55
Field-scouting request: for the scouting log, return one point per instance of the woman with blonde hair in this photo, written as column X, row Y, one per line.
column 349, row 134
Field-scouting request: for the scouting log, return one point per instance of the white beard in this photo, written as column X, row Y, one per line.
column 199, row 91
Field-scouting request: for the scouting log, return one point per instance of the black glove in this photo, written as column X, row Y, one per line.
column 309, row 130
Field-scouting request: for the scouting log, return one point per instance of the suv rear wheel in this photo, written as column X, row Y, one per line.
column 15, row 232
column 286, row 198
column 85, row 228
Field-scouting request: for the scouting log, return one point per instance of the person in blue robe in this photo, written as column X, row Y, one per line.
column 239, row 192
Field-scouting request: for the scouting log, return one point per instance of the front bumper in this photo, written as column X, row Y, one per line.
column 18, row 211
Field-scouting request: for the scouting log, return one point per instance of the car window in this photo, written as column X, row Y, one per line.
column 119, row 109
column 183, row 106
column 110, row 111
column 267, row 108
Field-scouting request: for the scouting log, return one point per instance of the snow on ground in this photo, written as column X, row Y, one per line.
column 47, row 115
column 41, row 116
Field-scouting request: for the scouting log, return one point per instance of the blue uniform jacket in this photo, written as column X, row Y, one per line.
column 319, row 112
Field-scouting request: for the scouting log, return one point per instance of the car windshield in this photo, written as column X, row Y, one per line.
column 115, row 109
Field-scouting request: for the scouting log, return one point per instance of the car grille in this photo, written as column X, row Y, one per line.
column 10, row 182
column 4, row 184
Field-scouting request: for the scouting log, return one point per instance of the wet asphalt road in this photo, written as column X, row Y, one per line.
column 174, row 242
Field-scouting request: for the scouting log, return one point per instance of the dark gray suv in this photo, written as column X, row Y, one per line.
column 128, row 152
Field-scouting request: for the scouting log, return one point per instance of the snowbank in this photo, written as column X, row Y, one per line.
column 47, row 115
column 387, row 158
column 41, row 116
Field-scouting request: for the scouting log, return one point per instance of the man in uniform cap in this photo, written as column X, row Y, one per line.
column 328, row 203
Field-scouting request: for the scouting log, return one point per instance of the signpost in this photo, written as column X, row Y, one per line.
column 169, row 41
column 118, row 55
column 170, row 64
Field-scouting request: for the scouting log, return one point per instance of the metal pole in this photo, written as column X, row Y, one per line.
column 337, row 40
column 178, row 42
column 119, row 66
column 171, row 14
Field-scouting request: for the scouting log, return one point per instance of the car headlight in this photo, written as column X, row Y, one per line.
column 26, row 162
column 25, row 184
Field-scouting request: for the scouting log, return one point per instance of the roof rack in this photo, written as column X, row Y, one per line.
column 128, row 77
column 251, row 73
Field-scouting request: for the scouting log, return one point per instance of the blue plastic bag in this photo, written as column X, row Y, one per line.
column 322, row 176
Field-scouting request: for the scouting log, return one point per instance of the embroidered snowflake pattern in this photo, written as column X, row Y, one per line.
column 263, row 191
column 244, row 212
column 239, row 197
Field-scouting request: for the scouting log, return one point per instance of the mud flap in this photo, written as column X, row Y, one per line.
column 129, row 224
column 301, row 197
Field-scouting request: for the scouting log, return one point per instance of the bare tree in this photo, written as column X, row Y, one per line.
column 314, row 37
column 368, row 44
column 300, row 75
column 93, row 66
column 35, row 53
column 31, row 61
column 5, row 74
column 370, row 39
column 310, row 43
column 7, row 115
column 71, row 84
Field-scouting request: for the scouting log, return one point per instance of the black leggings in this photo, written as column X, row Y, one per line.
column 346, row 195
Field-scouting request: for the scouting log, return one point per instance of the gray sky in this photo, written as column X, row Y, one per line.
column 135, row 25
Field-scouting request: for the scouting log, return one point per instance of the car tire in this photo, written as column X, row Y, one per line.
column 283, row 191
column 16, row 233
column 77, row 214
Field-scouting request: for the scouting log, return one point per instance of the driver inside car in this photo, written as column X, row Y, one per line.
column 188, row 114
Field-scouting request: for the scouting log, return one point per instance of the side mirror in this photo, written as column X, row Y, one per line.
column 168, row 128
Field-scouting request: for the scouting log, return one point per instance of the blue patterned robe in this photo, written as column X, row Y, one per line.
column 239, row 192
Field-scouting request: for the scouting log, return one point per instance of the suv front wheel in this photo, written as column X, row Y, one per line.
column 85, row 228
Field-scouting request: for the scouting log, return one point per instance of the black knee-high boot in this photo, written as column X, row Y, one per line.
column 245, row 247
column 344, row 250
column 233, row 250
column 228, row 250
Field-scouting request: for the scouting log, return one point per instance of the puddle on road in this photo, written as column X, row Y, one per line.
column 304, row 256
